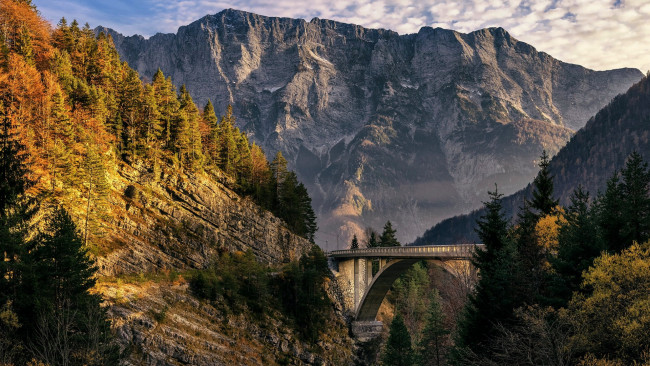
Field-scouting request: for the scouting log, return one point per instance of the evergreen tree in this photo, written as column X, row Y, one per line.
column 68, row 326
column 543, row 200
column 15, row 209
column 97, row 188
column 355, row 242
column 531, row 255
column 23, row 46
column 372, row 239
column 609, row 210
column 211, row 120
column 387, row 238
column 636, row 202
column 398, row 350
column 495, row 295
column 433, row 343
column 580, row 243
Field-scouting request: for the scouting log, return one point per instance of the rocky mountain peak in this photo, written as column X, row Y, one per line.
column 380, row 126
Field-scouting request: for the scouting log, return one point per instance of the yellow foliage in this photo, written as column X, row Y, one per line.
column 618, row 310
column 548, row 229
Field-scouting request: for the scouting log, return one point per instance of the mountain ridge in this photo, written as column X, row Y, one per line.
column 450, row 111
column 591, row 157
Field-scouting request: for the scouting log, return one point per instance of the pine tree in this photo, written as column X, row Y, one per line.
column 355, row 242
column 372, row 240
column 543, row 201
column 609, row 208
column 398, row 350
column 636, row 202
column 531, row 255
column 211, row 120
column 433, row 343
column 68, row 323
column 580, row 242
column 96, row 187
column 495, row 295
column 387, row 238
column 15, row 210
column 23, row 46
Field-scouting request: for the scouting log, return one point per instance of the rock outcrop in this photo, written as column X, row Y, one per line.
column 412, row 128
column 179, row 221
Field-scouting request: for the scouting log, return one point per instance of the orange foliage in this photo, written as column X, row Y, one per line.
column 14, row 17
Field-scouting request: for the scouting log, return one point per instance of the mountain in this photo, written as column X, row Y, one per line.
column 590, row 158
column 380, row 126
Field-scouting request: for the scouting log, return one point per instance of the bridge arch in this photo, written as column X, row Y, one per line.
column 378, row 288
column 368, row 291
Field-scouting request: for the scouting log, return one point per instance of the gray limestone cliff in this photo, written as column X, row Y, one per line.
column 411, row 128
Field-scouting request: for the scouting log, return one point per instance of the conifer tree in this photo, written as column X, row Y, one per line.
column 609, row 208
column 355, row 242
column 96, row 187
column 636, row 202
column 68, row 326
column 543, row 201
column 23, row 46
column 227, row 144
column 495, row 295
column 372, row 240
column 398, row 350
column 433, row 343
column 211, row 120
column 387, row 238
column 579, row 243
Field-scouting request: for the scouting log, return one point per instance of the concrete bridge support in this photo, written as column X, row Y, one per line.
column 364, row 293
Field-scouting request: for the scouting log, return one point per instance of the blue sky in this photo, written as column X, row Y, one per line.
column 599, row 34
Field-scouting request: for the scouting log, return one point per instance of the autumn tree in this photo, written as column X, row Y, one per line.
column 612, row 319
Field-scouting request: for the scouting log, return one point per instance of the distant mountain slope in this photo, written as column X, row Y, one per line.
column 589, row 159
column 412, row 128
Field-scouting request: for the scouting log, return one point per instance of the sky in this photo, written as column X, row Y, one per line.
column 598, row 34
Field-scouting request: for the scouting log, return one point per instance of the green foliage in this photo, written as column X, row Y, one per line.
column 409, row 296
column 495, row 296
column 387, row 238
column 543, row 201
column 303, row 293
column 398, row 350
column 239, row 282
column 432, row 346
column 236, row 278
column 355, row 242
column 580, row 242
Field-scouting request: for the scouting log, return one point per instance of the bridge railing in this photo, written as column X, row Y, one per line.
column 446, row 251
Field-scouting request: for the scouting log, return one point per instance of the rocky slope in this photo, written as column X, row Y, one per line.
column 412, row 128
column 179, row 222
column 589, row 159
column 162, row 227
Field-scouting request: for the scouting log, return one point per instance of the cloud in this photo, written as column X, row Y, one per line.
column 602, row 34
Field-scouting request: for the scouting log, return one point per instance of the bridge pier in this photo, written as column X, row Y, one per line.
column 367, row 330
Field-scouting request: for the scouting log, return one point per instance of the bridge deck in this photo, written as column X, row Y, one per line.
column 459, row 251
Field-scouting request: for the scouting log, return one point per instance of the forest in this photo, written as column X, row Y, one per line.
column 71, row 114
column 559, row 286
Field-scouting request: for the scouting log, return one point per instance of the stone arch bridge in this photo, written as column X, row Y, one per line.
column 364, row 292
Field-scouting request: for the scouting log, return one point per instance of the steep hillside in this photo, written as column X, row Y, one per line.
column 156, row 192
column 412, row 128
column 589, row 159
